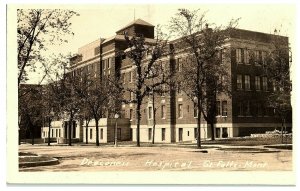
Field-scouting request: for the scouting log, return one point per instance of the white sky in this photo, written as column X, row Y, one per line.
column 103, row 20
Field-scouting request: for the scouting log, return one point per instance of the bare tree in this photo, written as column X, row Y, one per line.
column 36, row 29
column 95, row 94
column 198, row 79
column 144, row 56
column 277, row 70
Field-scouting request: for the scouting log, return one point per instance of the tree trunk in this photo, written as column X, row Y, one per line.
column 212, row 127
column 86, row 132
column 32, row 134
column 199, row 116
column 282, row 130
column 199, row 127
column 70, row 129
column 49, row 131
column 138, row 118
column 97, row 132
column 154, row 118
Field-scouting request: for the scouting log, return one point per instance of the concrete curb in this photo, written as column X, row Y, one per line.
column 52, row 161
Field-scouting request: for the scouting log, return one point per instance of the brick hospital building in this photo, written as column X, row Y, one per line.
column 243, row 113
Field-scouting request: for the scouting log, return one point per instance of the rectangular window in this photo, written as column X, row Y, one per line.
column 101, row 133
column 224, row 108
column 224, row 132
column 246, row 56
column 130, row 76
column 218, row 132
column 247, row 108
column 256, row 56
column 195, row 111
column 163, row 111
column 247, row 82
column 52, row 132
column 108, row 62
column 274, row 85
column 239, row 56
column 257, row 83
column 239, row 82
column 104, row 64
column 163, row 134
column 130, row 114
column 265, row 83
column 163, row 90
column 179, row 64
column 263, row 56
column 258, row 109
column 149, row 133
column 124, row 78
column 91, row 133
column 218, row 108
column 56, row 132
column 150, row 112
column 195, row 133
column 180, row 112
column 240, row 109
column 131, row 96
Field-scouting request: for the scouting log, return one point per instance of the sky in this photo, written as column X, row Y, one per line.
column 103, row 20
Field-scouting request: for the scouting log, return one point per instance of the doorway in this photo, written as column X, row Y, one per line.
column 180, row 134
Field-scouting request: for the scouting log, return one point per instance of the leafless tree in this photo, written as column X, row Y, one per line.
column 198, row 78
column 144, row 55
column 37, row 29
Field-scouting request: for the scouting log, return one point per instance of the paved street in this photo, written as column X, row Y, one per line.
column 165, row 158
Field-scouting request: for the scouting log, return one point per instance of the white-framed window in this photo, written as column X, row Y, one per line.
column 224, row 108
column 108, row 62
column 150, row 112
column 91, row 133
column 263, row 56
column 163, row 111
column 130, row 77
column 239, row 82
column 218, row 108
column 149, row 134
column 257, row 83
column 247, row 82
column 104, row 64
column 130, row 114
column 180, row 111
column 163, row 90
column 246, row 56
column 179, row 64
column 163, row 134
column 101, row 133
column 131, row 96
column 195, row 111
column 256, row 56
column 239, row 55
column 265, row 83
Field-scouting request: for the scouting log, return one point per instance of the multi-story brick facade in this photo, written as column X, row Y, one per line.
column 240, row 114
